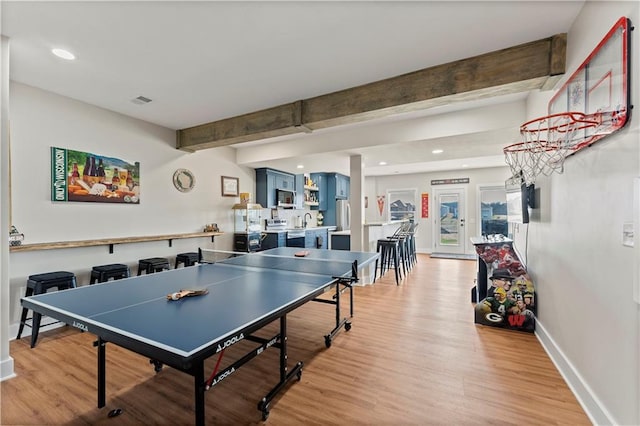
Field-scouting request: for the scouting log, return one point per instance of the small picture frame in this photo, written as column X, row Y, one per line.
column 230, row 186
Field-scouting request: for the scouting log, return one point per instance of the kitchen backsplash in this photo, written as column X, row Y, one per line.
column 292, row 216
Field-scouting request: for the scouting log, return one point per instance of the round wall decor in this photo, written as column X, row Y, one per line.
column 183, row 180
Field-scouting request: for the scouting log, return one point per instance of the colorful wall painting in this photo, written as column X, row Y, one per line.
column 78, row 176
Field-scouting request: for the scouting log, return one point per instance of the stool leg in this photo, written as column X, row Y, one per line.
column 25, row 311
column 385, row 260
column 401, row 271
column 395, row 263
column 23, row 318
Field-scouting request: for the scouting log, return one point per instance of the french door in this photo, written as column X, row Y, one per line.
column 449, row 217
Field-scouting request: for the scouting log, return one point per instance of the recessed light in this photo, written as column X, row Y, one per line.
column 64, row 54
column 300, row 166
column 437, row 151
column 382, row 163
column 465, row 165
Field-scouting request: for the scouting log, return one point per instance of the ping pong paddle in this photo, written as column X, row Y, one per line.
column 301, row 253
column 186, row 293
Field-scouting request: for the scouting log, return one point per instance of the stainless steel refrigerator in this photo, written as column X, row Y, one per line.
column 343, row 215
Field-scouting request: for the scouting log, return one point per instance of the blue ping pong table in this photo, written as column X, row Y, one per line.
column 245, row 293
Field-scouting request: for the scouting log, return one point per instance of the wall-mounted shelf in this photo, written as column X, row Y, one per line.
column 111, row 241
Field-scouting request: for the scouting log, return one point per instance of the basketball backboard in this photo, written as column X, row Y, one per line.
column 599, row 88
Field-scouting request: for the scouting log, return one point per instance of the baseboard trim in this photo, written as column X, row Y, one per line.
column 454, row 256
column 592, row 406
column 6, row 369
column 13, row 328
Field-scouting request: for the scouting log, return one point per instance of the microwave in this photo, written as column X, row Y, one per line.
column 285, row 198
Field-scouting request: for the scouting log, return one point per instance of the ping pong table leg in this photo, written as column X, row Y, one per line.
column 199, row 388
column 351, row 301
column 285, row 377
column 102, row 370
column 340, row 322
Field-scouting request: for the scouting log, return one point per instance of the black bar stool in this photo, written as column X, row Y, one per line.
column 38, row 284
column 153, row 264
column 188, row 259
column 104, row 273
column 389, row 254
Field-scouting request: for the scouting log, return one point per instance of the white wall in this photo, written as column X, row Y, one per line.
column 587, row 318
column 42, row 119
column 421, row 182
column 6, row 362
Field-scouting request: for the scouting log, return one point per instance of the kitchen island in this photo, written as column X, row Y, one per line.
column 310, row 237
column 373, row 231
column 341, row 240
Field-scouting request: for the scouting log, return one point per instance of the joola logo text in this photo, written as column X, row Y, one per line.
column 80, row 325
column 232, row 341
column 223, row 376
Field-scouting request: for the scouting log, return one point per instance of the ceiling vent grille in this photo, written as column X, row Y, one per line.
column 141, row 100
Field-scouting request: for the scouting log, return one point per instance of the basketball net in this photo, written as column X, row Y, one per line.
column 547, row 141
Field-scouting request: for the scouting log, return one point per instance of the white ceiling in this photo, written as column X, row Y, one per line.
column 204, row 61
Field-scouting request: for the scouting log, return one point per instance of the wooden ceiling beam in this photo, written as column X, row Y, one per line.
column 528, row 66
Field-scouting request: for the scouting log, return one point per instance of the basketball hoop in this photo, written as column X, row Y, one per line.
column 547, row 141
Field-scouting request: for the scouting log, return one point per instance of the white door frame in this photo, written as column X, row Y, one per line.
column 461, row 248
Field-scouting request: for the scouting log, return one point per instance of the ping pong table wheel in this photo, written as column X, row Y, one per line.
column 327, row 341
column 347, row 326
column 157, row 365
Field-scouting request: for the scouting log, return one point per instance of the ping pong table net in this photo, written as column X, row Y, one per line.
column 338, row 269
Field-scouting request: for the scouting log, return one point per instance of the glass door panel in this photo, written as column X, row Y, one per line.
column 450, row 232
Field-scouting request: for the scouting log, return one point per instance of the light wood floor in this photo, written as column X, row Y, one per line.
column 413, row 356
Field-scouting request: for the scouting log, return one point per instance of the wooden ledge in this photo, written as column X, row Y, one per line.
column 111, row 241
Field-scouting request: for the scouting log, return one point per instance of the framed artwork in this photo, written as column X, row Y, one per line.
column 78, row 176
column 230, row 186
column 183, row 180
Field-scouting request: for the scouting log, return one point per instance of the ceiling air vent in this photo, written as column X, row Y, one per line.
column 141, row 100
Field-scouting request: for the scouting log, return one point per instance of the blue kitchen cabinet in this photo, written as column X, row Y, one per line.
column 342, row 187
column 320, row 180
column 316, row 238
column 267, row 181
column 338, row 187
column 310, row 238
column 323, row 235
column 274, row 239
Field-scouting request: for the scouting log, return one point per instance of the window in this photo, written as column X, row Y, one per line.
column 402, row 204
column 493, row 211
